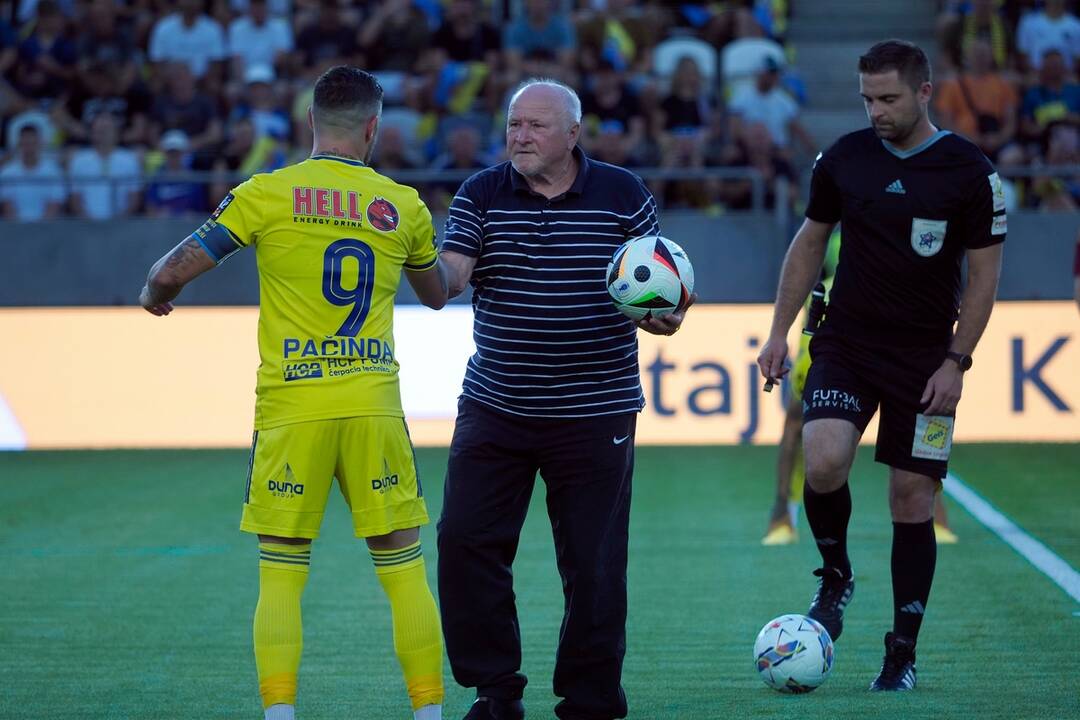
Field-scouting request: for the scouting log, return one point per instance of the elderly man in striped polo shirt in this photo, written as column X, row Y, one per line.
column 553, row 387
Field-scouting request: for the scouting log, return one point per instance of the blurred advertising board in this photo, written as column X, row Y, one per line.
column 119, row 377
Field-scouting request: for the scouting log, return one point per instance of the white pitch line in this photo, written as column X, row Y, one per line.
column 1043, row 558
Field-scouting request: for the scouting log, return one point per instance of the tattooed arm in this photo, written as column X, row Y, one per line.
column 171, row 273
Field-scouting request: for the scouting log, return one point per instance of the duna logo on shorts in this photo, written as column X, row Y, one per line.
column 386, row 482
column 287, row 487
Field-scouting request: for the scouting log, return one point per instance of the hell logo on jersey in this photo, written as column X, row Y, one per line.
column 382, row 215
column 927, row 236
column 327, row 203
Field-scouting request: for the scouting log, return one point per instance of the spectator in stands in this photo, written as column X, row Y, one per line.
column 46, row 61
column 10, row 100
column 228, row 160
column 466, row 60
column 742, row 59
column 979, row 20
column 1058, row 193
column 757, row 149
column 392, row 152
column 1052, row 101
column 610, row 100
column 260, row 105
column 395, row 36
column 1052, row 27
column 330, row 40
column 169, row 194
column 979, row 103
column 243, row 155
column 611, row 144
column 682, row 121
column 623, row 32
column 105, row 178
column 188, row 36
column 9, row 47
column 259, row 39
column 684, row 114
column 100, row 88
column 183, row 107
column 540, row 27
column 465, row 37
column 31, row 183
column 277, row 8
column 464, row 151
column 104, row 42
column 765, row 102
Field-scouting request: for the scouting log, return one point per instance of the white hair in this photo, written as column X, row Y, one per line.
column 571, row 101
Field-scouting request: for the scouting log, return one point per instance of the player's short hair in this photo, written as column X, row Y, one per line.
column 906, row 58
column 346, row 96
column 572, row 103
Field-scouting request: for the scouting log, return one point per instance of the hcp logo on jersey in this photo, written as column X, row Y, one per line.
column 382, row 215
column 927, row 236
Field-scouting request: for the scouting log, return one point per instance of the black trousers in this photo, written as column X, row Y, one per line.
column 587, row 464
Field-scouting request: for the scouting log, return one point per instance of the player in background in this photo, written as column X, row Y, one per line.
column 914, row 203
column 331, row 238
column 790, row 468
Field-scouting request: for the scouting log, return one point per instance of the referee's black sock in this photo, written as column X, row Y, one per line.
column 914, row 556
column 828, row 515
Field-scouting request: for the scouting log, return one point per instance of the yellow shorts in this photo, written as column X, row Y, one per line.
column 801, row 368
column 293, row 466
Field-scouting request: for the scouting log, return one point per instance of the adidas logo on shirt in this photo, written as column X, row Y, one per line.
column 896, row 187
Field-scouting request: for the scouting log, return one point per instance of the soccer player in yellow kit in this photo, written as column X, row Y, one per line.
column 331, row 238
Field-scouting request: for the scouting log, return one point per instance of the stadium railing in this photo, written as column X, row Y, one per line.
column 419, row 177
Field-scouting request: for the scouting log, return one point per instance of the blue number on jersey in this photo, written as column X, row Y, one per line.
column 360, row 296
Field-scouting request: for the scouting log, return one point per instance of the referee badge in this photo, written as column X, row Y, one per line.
column 927, row 236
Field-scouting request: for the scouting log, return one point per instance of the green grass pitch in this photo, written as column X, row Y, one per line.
column 127, row 592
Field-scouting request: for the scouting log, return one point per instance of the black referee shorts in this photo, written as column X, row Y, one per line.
column 587, row 464
column 849, row 379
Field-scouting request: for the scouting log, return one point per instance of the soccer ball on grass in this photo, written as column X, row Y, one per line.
column 794, row 654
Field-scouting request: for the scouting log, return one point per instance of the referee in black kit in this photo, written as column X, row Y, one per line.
column 553, row 387
column 914, row 202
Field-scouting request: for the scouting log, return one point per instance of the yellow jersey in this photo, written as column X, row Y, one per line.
column 331, row 237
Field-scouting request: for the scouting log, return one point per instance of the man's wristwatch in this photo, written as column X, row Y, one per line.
column 964, row 361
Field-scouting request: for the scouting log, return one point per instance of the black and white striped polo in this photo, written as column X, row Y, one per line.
column 549, row 341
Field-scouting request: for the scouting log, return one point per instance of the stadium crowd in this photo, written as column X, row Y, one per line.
column 145, row 90
column 1006, row 78
column 108, row 107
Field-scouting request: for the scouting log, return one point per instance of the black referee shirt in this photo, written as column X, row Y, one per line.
column 549, row 341
column 907, row 217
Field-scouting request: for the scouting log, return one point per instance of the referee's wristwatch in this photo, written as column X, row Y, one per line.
column 964, row 361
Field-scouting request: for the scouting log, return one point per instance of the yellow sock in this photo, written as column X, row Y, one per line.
column 283, row 572
column 417, row 632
